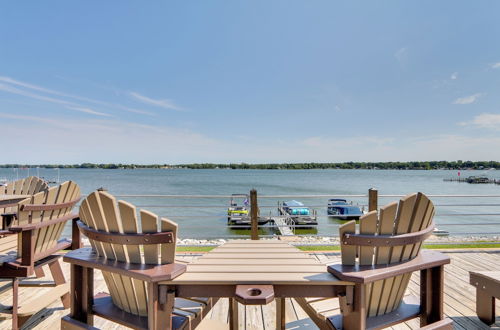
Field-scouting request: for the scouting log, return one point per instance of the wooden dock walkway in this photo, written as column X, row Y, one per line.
column 282, row 225
column 459, row 298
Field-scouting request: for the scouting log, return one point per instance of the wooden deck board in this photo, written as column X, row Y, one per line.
column 459, row 298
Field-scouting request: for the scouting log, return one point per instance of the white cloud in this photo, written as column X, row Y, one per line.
column 454, row 76
column 66, row 104
column 165, row 103
column 41, row 120
column 13, row 90
column 100, row 140
column 496, row 65
column 87, row 110
column 109, row 140
column 468, row 99
column 450, row 147
column 10, row 81
column 484, row 120
column 401, row 54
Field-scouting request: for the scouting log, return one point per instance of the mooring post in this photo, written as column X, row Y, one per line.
column 254, row 214
column 372, row 199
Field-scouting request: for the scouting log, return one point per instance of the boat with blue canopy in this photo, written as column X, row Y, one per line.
column 299, row 213
column 343, row 210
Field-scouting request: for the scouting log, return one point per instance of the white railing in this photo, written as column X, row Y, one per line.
column 187, row 208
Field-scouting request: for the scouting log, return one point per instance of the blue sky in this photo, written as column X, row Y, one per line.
column 249, row 81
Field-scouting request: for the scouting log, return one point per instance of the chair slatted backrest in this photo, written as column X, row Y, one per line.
column 27, row 186
column 414, row 213
column 101, row 211
column 47, row 237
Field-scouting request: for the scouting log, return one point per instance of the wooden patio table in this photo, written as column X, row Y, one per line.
column 255, row 273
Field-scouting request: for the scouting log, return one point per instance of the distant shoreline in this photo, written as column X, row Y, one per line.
column 420, row 165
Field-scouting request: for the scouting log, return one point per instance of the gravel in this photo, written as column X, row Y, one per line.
column 326, row 240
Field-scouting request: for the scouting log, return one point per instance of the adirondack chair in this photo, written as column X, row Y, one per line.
column 27, row 186
column 135, row 298
column 31, row 242
column 380, row 261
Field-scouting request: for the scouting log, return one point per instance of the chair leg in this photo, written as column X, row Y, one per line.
column 22, row 319
column 15, row 303
column 485, row 306
column 39, row 272
column 58, row 276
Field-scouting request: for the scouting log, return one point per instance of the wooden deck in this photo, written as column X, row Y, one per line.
column 459, row 298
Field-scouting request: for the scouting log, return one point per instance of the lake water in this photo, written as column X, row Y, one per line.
column 206, row 217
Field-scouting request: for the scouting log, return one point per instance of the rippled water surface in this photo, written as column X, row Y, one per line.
column 205, row 217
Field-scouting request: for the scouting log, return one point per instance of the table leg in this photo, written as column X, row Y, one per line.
column 233, row 314
column 431, row 295
column 280, row 313
column 159, row 315
column 485, row 306
column 356, row 318
column 82, row 294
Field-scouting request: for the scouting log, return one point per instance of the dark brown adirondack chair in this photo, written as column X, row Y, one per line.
column 132, row 262
column 32, row 241
column 380, row 260
column 27, row 186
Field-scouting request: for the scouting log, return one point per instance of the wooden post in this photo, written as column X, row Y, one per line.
column 254, row 214
column 372, row 199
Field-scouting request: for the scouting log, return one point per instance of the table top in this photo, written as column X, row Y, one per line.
column 256, row 262
column 8, row 199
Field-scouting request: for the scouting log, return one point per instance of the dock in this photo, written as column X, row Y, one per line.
column 283, row 223
column 459, row 298
column 473, row 180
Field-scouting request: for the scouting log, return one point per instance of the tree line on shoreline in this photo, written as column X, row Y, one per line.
column 423, row 165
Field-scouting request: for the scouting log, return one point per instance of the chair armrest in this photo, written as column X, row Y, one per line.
column 38, row 225
column 368, row 274
column 6, row 232
column 88, row 258
column 49, row 207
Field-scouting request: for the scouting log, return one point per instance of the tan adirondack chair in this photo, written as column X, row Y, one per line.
column 132, row 263
column 380, row 261
column 32, row 241
column 27, row 186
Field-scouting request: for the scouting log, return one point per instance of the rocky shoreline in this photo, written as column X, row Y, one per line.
column 315, row 240
column 325, row 240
